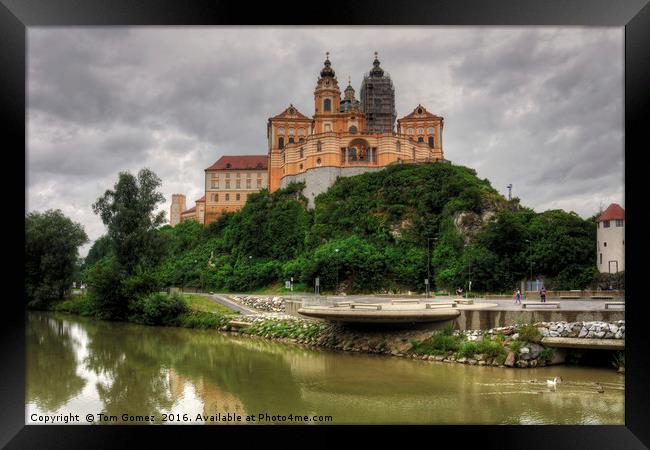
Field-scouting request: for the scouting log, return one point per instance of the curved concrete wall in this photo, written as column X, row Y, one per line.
column 319, row 179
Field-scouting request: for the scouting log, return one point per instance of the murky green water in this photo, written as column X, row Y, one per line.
column 79, row 366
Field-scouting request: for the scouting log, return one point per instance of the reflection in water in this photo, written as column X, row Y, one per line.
column 118, row 368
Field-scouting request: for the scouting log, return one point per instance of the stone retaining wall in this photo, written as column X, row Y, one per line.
column 488, row 318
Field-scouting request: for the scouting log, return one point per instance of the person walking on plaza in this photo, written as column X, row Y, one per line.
column 542, row 294
column 517, row 296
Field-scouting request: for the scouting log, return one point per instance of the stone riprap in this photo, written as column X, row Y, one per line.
column 261, row 303
column 586, row 330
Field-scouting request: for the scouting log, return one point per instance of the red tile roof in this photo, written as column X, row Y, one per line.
column 613, row 212
column 202, row 199
column 241, row 162
column 187, row 211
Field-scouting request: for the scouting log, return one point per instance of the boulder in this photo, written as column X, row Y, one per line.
column 521, row 363
column 510, row 359
column 583, row 332
column 535, row 350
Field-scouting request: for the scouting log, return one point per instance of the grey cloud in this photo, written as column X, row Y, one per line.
column 537, row 107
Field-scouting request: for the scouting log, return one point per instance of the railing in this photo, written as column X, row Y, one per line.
column 358, row 162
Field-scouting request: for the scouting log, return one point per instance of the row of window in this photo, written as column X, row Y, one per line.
column 606, row 223
column 215, row 175
column 420, row 131
column 301, row 131
column 214, row 198
column 214, row 184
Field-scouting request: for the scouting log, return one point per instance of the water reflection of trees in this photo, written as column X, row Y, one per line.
column 51, row 369
column 137, row 361
column 147, row 368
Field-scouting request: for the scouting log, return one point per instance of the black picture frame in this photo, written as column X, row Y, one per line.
column 634, row 15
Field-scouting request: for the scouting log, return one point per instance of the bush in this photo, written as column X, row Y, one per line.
column 160, row 309
column 546, row 354
column 490, row 348
column 106, row 291
column 529, row 333
column 76, row 305
column 440, row 342
column 468, row 348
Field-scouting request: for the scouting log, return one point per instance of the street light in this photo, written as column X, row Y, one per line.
column 530, row 260
column 428, row 283
column 337, row 271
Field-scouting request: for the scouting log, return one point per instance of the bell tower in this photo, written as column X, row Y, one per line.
column 327, row 98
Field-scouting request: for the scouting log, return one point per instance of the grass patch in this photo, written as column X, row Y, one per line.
column 291, row 329
column 440, row 342
column 529, row 333
column 198, row 302
column 79, row 304
column 546, row 354
column 203, row 319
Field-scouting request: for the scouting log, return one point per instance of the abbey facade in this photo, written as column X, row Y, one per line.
column 348, row 136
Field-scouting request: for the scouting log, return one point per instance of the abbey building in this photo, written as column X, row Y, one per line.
column 345, row 136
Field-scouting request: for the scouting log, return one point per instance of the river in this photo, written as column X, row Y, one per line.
column 78, row 366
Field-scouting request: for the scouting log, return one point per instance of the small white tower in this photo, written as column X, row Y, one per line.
column 610, row 239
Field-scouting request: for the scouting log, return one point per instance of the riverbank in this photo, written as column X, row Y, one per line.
column 514, row 346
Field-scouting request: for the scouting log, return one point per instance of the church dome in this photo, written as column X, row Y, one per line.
column 327, row 71
column 376, row 71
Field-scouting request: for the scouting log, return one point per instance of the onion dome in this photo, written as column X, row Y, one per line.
column 376, row 71
column 327, row 70
column 349, row 91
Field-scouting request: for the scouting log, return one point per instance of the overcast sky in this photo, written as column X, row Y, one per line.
column 538, row 107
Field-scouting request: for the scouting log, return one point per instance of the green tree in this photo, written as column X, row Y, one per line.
column 136, row 244
column 52, row 243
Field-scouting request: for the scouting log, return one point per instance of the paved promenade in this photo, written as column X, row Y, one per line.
column 479, row 303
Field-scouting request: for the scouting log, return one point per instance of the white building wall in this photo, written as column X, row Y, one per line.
column 613, row 254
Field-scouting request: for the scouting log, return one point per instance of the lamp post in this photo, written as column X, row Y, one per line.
column 469, row 284
column 428, row 283
column 337, row 271
column 530, row 259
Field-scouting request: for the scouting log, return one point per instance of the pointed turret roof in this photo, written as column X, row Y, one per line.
column 613, row 212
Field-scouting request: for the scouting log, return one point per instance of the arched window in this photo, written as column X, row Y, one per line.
column 292, row 131
column 281, row 143
column 280, row 130
column 327, row 105
column 353, row 129
column 301, row 131
column 398, row 146
column 410, row 131
column 300, row 166
column 420, row 130
column 291, row 140
column 318, row 162
column 319, row 146
column 430, row 130
column 431, row 141
column 420, row 139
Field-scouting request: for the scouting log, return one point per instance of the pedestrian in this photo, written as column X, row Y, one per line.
column 517, row 296
column 459, row 292
column 542, row 294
